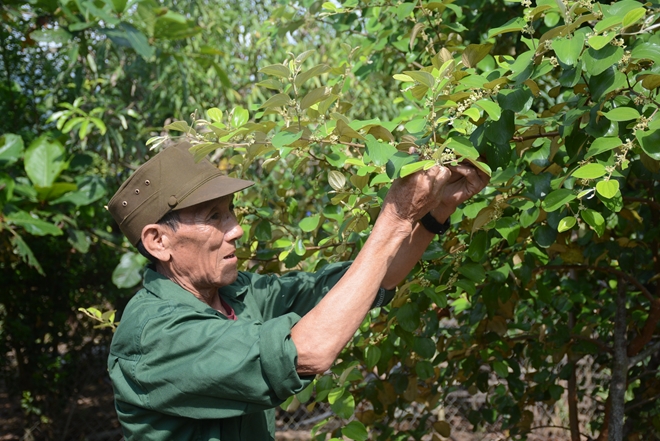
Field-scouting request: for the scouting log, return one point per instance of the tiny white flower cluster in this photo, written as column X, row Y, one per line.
column 447, row 156
column 526, row 3
column 625, row 60
column 617, row 42
column 642, row 124
column 640, row 100
column 553, row 61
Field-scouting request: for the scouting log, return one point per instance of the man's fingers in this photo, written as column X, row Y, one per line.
column 473, row 175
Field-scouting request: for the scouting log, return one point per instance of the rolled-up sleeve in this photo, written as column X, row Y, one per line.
column 278, row 356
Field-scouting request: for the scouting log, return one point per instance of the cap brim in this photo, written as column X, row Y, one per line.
column 214, row 188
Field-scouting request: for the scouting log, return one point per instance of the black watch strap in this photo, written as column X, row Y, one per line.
column 431, row 224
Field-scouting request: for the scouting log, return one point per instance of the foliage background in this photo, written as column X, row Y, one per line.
column 557, row 260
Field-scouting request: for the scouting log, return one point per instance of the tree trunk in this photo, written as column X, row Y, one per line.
column 619, row 367
column 572, row 398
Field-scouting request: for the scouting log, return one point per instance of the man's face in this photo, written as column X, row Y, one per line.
column 202, row 248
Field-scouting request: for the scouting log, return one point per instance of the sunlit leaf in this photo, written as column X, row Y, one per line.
column 608, row 189
column 566, row 224
column 590, row 171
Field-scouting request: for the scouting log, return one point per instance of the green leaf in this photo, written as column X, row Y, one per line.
column 566, row 224
column 119, row 5
column 608, row 189
column 493, row 109
column 44, row 161
column 344, row 405
column 568, row 50
column 501, row 369
column 650, row 142
column 239, row 116
column 597, row 61
column 32, row 225
column 396, row 162
column 137, row 40
column 278, row 70
column 509, row 228
column 409, row 169
column 311, row 73
column 421, row 77
column 404, row 78
column 649, row 50
column 594, row 219
column 314, row 96
column 215, row 114
column 474, row 53
column 310, row 223
column 472, row 113
column 473, row 271
column 355, row 430
column 180, row 126
column 598, row 42
column 283, row 139
column 25, row 253
column 127, row 273
column 513, row 25
column 99, row 124
column 478, row 246
column 557, row 199
column 279, row 100
column 57, row 36
column 408, row 317
column 590, row 171
column 11, row 148
column 416, row 125
column 299, row 247
column 372, row 355
column 89, row 189
column 632, row 17
column 650, row 81
column 379, row 152
column 622, row 114
column 601, row 145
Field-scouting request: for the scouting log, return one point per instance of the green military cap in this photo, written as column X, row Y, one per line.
column 169, row 181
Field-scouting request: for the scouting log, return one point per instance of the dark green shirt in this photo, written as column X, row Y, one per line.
column 183, row 371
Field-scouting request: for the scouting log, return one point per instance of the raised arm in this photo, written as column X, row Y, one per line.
column 322, row 333
column 465, row 182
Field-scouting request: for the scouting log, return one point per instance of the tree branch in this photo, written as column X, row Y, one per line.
column 538, row 135
column 653, row 204
column 632, row 361
column 612, row 271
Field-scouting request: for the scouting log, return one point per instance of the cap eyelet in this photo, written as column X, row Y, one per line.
column 147, row 182
column 137, row 191
column 124, row 203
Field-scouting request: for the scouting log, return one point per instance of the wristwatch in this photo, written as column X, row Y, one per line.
column 431, row 224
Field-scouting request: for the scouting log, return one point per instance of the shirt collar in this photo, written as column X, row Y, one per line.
column 164, row 288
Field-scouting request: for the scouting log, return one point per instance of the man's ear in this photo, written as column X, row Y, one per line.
column 156, row 240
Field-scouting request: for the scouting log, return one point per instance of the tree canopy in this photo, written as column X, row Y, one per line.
column 556, row 261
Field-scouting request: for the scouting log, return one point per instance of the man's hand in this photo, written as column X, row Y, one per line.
column 465, row 181
column 412, row 197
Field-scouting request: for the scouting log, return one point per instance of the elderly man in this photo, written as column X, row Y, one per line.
column 206, row 352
